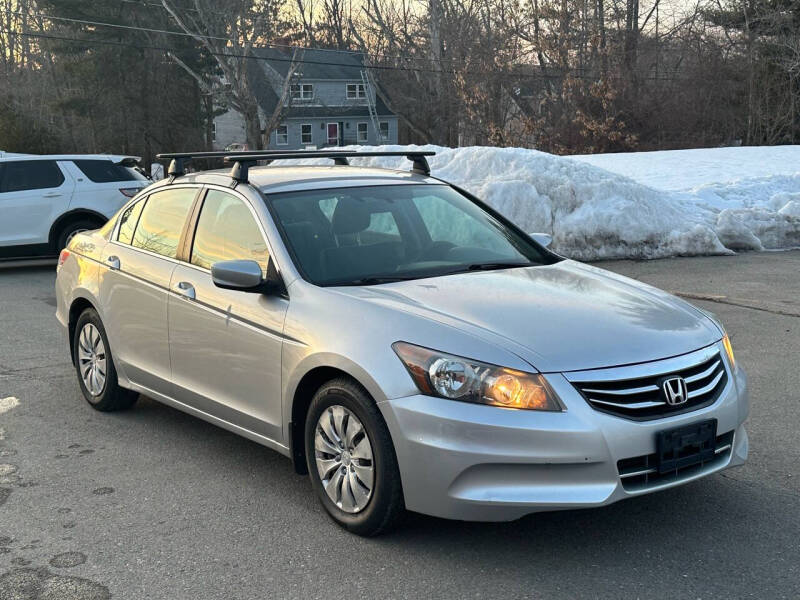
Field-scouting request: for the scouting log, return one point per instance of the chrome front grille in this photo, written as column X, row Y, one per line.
column 636, row 392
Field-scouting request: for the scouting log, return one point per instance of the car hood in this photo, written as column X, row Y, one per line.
column 562, row 317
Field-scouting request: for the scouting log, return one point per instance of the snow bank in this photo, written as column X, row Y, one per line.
column 595, row 213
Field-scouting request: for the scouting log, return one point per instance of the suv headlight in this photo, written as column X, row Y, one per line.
column 457, row 378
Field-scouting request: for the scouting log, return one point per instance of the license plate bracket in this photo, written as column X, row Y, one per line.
column 686, row 446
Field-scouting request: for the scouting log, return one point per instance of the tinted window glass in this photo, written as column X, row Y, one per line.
column 162, row 220
column 105, row 171
column 227, row 230
column 351, row 235
column 128, row 220
column 21, row 175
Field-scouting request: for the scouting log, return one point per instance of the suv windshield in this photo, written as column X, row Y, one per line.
column 370, row 235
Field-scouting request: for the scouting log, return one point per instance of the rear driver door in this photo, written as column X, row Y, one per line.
column 133, row 288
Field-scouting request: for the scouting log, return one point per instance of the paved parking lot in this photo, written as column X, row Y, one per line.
column 152, row 503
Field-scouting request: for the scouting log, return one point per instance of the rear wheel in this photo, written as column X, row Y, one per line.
column 70, row 230
column 351, row 459
column 94, row 365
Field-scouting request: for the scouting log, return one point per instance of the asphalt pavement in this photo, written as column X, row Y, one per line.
column 153, row 503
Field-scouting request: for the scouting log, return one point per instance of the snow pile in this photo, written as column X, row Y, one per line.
column 594, row 213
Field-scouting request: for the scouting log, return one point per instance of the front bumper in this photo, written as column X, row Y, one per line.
column 481, row 463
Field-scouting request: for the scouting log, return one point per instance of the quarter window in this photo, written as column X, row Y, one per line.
column 105, row 171
column 305, row 134
column 362, row 132
column 282, row 135
column 162, row 220
column 227, row 230
column 22, row 175
column 128, row 221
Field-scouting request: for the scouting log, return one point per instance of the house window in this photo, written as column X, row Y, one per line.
column 213, row 131
column 305, row 133
column 356, row 91
column 302, row 91
column 384, row 125
column 282, row 135
column 362, row 132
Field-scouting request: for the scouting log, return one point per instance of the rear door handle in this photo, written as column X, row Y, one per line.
column 51, row 195
column 185, row 289
column 113, row 263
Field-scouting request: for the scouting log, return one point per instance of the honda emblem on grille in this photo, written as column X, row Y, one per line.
column 675, row 391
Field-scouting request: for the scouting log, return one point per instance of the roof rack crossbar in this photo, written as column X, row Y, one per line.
column 177, row 165
column 418, row 158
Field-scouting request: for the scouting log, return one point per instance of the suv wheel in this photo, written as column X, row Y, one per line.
column 94, row 364
column 70, row 230
column 351, row 459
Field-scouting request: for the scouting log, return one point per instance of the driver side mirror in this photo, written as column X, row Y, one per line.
column 246, row 276
column 543, row 239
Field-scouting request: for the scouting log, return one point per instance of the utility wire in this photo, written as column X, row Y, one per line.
column 523, row 76
column 209, row 37
column 93, row 23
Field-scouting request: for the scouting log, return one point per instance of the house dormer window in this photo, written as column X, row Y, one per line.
column 302, row 91
column 356, row 91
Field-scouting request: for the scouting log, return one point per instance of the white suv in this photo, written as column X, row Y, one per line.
column 45, row 200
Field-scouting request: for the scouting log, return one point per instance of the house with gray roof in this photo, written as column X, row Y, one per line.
column 331, row 102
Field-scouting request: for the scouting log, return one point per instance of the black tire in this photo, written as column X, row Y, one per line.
column 72, row 228
column 385, row 508
column 112, row 397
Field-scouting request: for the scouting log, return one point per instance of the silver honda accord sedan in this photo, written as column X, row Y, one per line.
column 404, row 344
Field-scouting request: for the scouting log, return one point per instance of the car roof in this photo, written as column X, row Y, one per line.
column 7, row 156
column 279, row 178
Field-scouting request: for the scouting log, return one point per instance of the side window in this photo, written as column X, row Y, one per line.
column 21, row 175
column 106, row 171
column 128, row 220
column 227, row 230
column 162, row 220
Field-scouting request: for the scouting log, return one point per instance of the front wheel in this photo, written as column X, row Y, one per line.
column 351, row 459
column 94, row 364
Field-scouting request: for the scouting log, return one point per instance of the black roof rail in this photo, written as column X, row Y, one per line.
column 244, row 160
column 178, row 159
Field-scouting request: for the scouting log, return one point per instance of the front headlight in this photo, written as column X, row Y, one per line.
column 726, row 342
column 458, row 378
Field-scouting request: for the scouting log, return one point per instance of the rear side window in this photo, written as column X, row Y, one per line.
column 105, row 171
column 162, row 219
column 227, row 230
column 21, row 175
column 128, row 221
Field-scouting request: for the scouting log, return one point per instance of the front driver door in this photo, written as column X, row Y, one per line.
column 225, row 345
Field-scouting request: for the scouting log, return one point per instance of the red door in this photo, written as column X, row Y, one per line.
column 333, row 134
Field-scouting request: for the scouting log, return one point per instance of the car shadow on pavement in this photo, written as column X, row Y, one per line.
column 693, row 535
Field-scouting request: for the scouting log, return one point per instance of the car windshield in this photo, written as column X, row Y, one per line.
column 378, row 234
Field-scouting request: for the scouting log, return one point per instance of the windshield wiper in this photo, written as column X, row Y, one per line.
column 374, row 280
column 493, row 266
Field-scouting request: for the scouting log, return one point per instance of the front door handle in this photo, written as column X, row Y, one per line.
column 113, row 263
column 185, row 289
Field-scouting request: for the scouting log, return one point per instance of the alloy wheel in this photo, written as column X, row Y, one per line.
column 92, row 359
column 344, row 460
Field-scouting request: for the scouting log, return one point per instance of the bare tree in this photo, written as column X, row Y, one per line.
column 229, row 31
